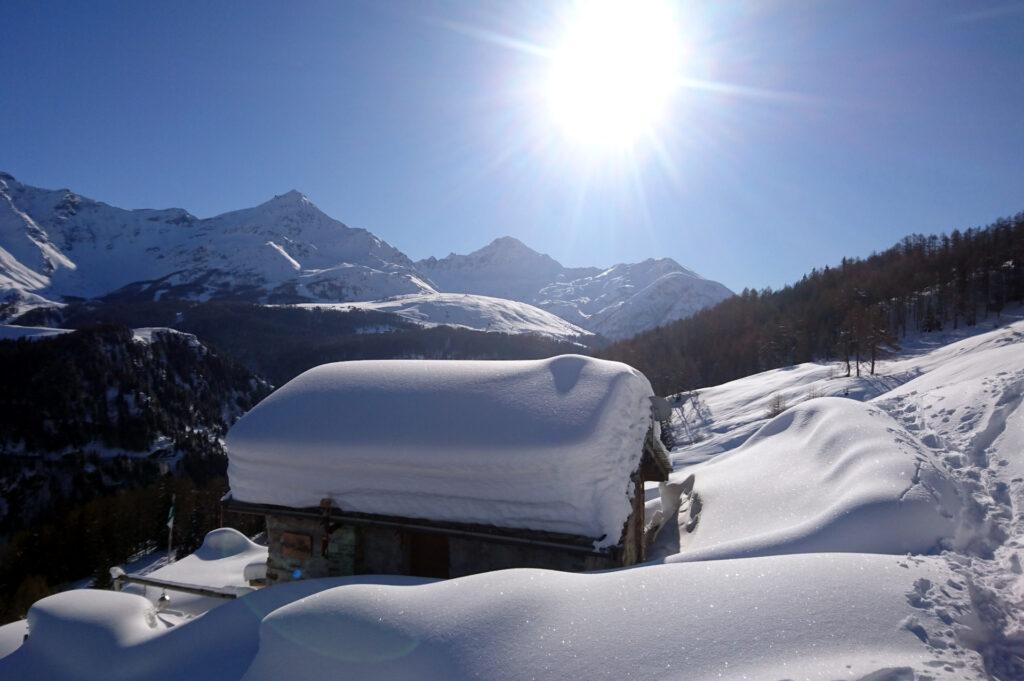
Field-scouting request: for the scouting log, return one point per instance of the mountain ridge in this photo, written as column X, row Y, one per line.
column 57, row 246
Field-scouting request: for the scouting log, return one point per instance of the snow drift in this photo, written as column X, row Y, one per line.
column 766, row 618
column 830, row 474
column 540, row 444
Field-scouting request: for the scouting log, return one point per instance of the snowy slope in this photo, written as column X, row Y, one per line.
column 834, row 473
column 468, row 311
column 56, row 243
column 617, row 302
column 932, row 461
column 626, row 299
column 926, row 458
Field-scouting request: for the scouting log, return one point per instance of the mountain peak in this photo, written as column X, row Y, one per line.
column 509, row 246
column 508, row 242
column 290, row 199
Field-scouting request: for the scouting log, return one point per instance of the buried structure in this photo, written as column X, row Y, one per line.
column 448, row 468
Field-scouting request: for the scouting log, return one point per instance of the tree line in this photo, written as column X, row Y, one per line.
column 97, row 432
column 853, row 312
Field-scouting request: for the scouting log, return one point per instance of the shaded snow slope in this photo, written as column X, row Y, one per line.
column 541, row 444
column 825, row 476
column 481, row 313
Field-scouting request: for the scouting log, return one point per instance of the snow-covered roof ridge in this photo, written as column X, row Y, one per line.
column 544, row 445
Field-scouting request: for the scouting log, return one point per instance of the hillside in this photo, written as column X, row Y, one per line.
column 875, row 538
column 280, row 342
column 467, row 311
column 855, row 312
column 92, row 423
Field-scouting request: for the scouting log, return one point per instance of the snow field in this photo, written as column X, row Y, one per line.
column 463, row 310
column 804, row 563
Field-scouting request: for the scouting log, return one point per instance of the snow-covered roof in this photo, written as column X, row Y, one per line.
column 538, row 444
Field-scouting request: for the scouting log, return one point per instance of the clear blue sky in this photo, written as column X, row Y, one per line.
column 857, row 122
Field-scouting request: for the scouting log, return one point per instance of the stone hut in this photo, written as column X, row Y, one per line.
column 448, row 468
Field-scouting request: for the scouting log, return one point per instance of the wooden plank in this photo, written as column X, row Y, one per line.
column 210, row 591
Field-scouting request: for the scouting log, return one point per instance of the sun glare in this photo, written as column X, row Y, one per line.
column 613, row 74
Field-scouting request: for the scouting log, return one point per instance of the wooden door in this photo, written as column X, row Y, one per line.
column 428, row 555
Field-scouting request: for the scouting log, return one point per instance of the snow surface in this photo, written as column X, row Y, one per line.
column 827, row 475
column 90, row 635
column 928, row 458
column 541, row 444
column 814, row 616
column 951, row 411
column 481, row 313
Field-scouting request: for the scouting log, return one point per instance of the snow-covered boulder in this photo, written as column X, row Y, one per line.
column 536, row 444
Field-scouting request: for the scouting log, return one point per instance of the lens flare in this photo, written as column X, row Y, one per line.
column 614, row 73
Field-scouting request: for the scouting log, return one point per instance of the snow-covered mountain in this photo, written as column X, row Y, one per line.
column 56, row 245
column 616, row 302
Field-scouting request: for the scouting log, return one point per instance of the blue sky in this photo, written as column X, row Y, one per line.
column 843, row 126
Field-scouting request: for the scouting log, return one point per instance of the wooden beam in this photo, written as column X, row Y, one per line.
column 209, row 591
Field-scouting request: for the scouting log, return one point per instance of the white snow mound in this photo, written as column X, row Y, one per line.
column 780, row 617
column 830, row 474
column 540, row 444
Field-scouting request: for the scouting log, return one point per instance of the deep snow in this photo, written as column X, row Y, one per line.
column 929, row 463
column 541, row 444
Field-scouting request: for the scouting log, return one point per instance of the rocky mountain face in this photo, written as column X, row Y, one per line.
column 57, row 246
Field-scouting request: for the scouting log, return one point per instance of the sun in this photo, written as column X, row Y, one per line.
column 613, row 75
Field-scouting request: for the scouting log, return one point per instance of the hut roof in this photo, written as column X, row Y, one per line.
column 537, row 444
